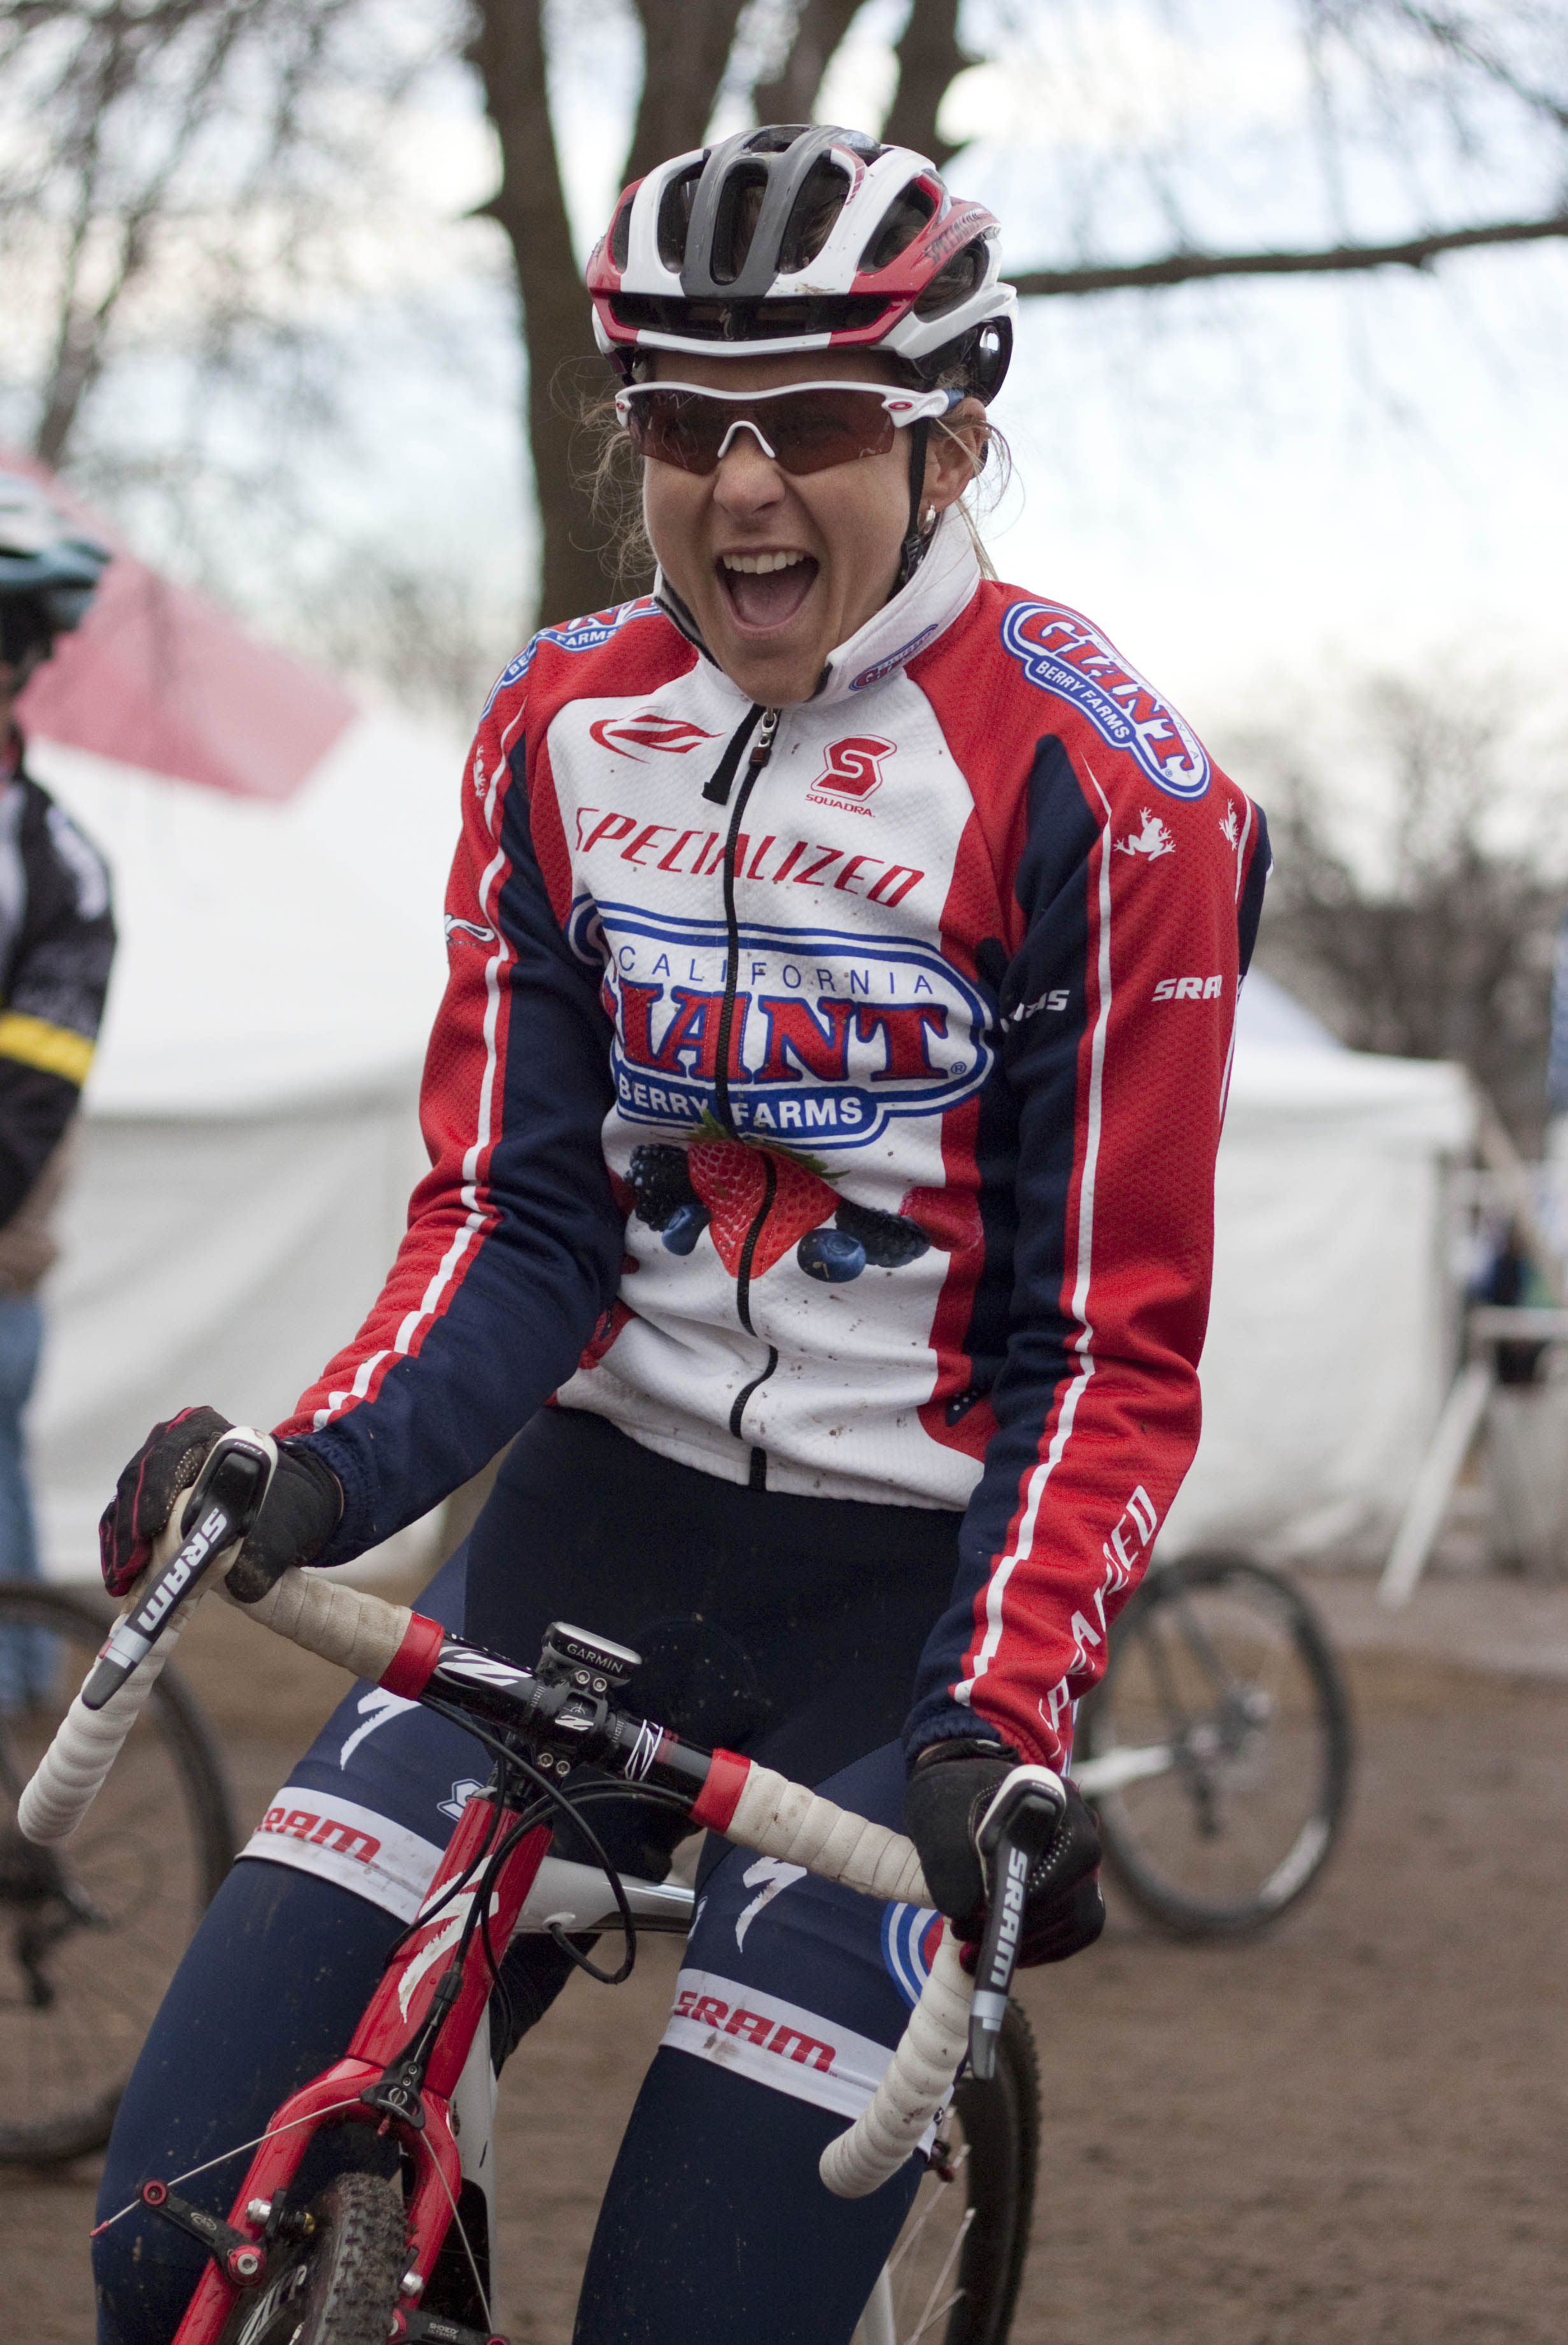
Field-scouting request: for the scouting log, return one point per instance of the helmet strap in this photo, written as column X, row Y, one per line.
column 913, row 551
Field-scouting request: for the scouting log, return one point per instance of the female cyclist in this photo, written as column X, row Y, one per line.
column 821, row 1116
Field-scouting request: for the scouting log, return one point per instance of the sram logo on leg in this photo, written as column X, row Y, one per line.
column 1190, row 988
column 774, row 2043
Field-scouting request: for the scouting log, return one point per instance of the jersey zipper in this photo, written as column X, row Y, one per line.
column 718, row 789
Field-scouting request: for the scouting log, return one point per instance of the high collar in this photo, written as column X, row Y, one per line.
column 940, row 589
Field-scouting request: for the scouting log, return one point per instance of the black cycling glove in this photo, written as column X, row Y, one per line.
column 298, row 1515
column 951, row 1785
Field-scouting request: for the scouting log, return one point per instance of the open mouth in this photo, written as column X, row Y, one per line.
column 764, row 590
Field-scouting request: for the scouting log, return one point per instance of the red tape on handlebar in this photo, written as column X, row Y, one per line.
column 411, row 1666
column 717, row 1802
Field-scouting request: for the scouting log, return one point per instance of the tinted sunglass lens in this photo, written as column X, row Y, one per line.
column 674, row 428
column 807, row 431
column 825, row 428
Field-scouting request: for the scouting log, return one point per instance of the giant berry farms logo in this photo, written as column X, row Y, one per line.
column 1063, row 655
column 826, row 1038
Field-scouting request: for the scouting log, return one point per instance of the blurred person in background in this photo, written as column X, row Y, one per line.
column 56, row 944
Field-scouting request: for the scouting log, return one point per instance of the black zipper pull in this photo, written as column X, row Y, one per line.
column 717, row 788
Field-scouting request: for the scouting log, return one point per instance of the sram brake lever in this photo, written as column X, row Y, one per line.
column 1012, row 1836
column 222, row 1505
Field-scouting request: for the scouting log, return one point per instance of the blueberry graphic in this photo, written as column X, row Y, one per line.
column 890, row 1240
column 685, row 1226
column 830, row 1255
column 662, row 1181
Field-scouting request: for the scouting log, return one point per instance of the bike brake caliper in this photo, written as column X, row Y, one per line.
column 240, row 2259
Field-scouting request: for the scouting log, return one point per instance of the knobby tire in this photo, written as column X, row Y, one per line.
column 339, row 2285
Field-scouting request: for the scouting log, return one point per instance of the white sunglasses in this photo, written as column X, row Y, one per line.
column 806, row 427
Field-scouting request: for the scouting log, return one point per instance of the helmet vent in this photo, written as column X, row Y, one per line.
column 675, row 217
column 904, row 220
column 963, row 274
column 775, row 138
column 735, row 221
column 747, row 321
column 821, row 197
column 621, row 234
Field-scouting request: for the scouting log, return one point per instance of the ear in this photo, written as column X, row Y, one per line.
column 953, row 454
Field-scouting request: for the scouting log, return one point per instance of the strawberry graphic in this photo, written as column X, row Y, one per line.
column 950, row 1217
column 731, row 1177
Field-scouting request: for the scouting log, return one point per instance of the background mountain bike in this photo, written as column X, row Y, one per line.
column 384, row 2252
column 90, row 1934
column 1216, row 1748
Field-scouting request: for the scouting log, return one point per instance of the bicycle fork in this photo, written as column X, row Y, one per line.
column 401, row 2074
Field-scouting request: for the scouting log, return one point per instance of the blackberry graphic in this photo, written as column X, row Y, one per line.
column 889, row 1240
column 662, row 1181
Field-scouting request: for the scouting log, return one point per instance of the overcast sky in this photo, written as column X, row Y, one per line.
column 1253, row 488
column 1246, row 485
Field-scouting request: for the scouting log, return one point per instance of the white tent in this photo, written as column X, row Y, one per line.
column 1331, row 1336
column 250, row 1134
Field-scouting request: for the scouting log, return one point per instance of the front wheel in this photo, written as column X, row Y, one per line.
column 91, row 1930
column 1216, row 1750
column 339, row 2283
column 956, row 2266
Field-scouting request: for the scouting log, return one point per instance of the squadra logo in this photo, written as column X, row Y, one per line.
column 853, row 770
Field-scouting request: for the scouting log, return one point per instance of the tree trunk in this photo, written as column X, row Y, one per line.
column 929, row 61
column 508, row 52
column 819, row 28
column 687, row 46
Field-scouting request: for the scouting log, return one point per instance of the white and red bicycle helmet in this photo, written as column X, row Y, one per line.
column 797, row 239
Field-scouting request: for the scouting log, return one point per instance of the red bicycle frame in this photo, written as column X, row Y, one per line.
column 362, row 2087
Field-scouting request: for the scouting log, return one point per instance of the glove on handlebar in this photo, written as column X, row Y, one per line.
column 298, row 1515
column 948, row 1792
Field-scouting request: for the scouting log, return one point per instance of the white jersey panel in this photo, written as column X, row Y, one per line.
column 850, row 1035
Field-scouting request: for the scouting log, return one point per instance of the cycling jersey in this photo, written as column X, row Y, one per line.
column 56, row 943
column 829, row 1098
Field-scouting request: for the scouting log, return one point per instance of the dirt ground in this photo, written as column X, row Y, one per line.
column 1356, row 2129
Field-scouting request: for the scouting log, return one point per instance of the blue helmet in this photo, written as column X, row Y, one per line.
column 49, row 570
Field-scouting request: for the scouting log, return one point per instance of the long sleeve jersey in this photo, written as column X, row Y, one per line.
column 56, row 945
column 829, row 1097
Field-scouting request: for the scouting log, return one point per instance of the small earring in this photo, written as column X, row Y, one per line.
column 930, row 515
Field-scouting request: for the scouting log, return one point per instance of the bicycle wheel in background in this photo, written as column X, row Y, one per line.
column 953, row 2275
column 91, row 1930
column 1216, row 1750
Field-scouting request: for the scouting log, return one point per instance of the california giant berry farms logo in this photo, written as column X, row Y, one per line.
column 830, row 1036
column 1063, row 653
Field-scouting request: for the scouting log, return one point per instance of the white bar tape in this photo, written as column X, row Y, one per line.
column 359, row 1631
column 778, row 1818
column 70, row 1775
column 916, row 2081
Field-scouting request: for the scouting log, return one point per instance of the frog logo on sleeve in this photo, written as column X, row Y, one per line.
column 1061, row 654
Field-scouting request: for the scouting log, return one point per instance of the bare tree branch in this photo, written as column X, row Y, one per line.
column 929, row 62
column 1185, row 268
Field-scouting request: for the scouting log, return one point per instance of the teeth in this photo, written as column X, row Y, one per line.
column 760, row 562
